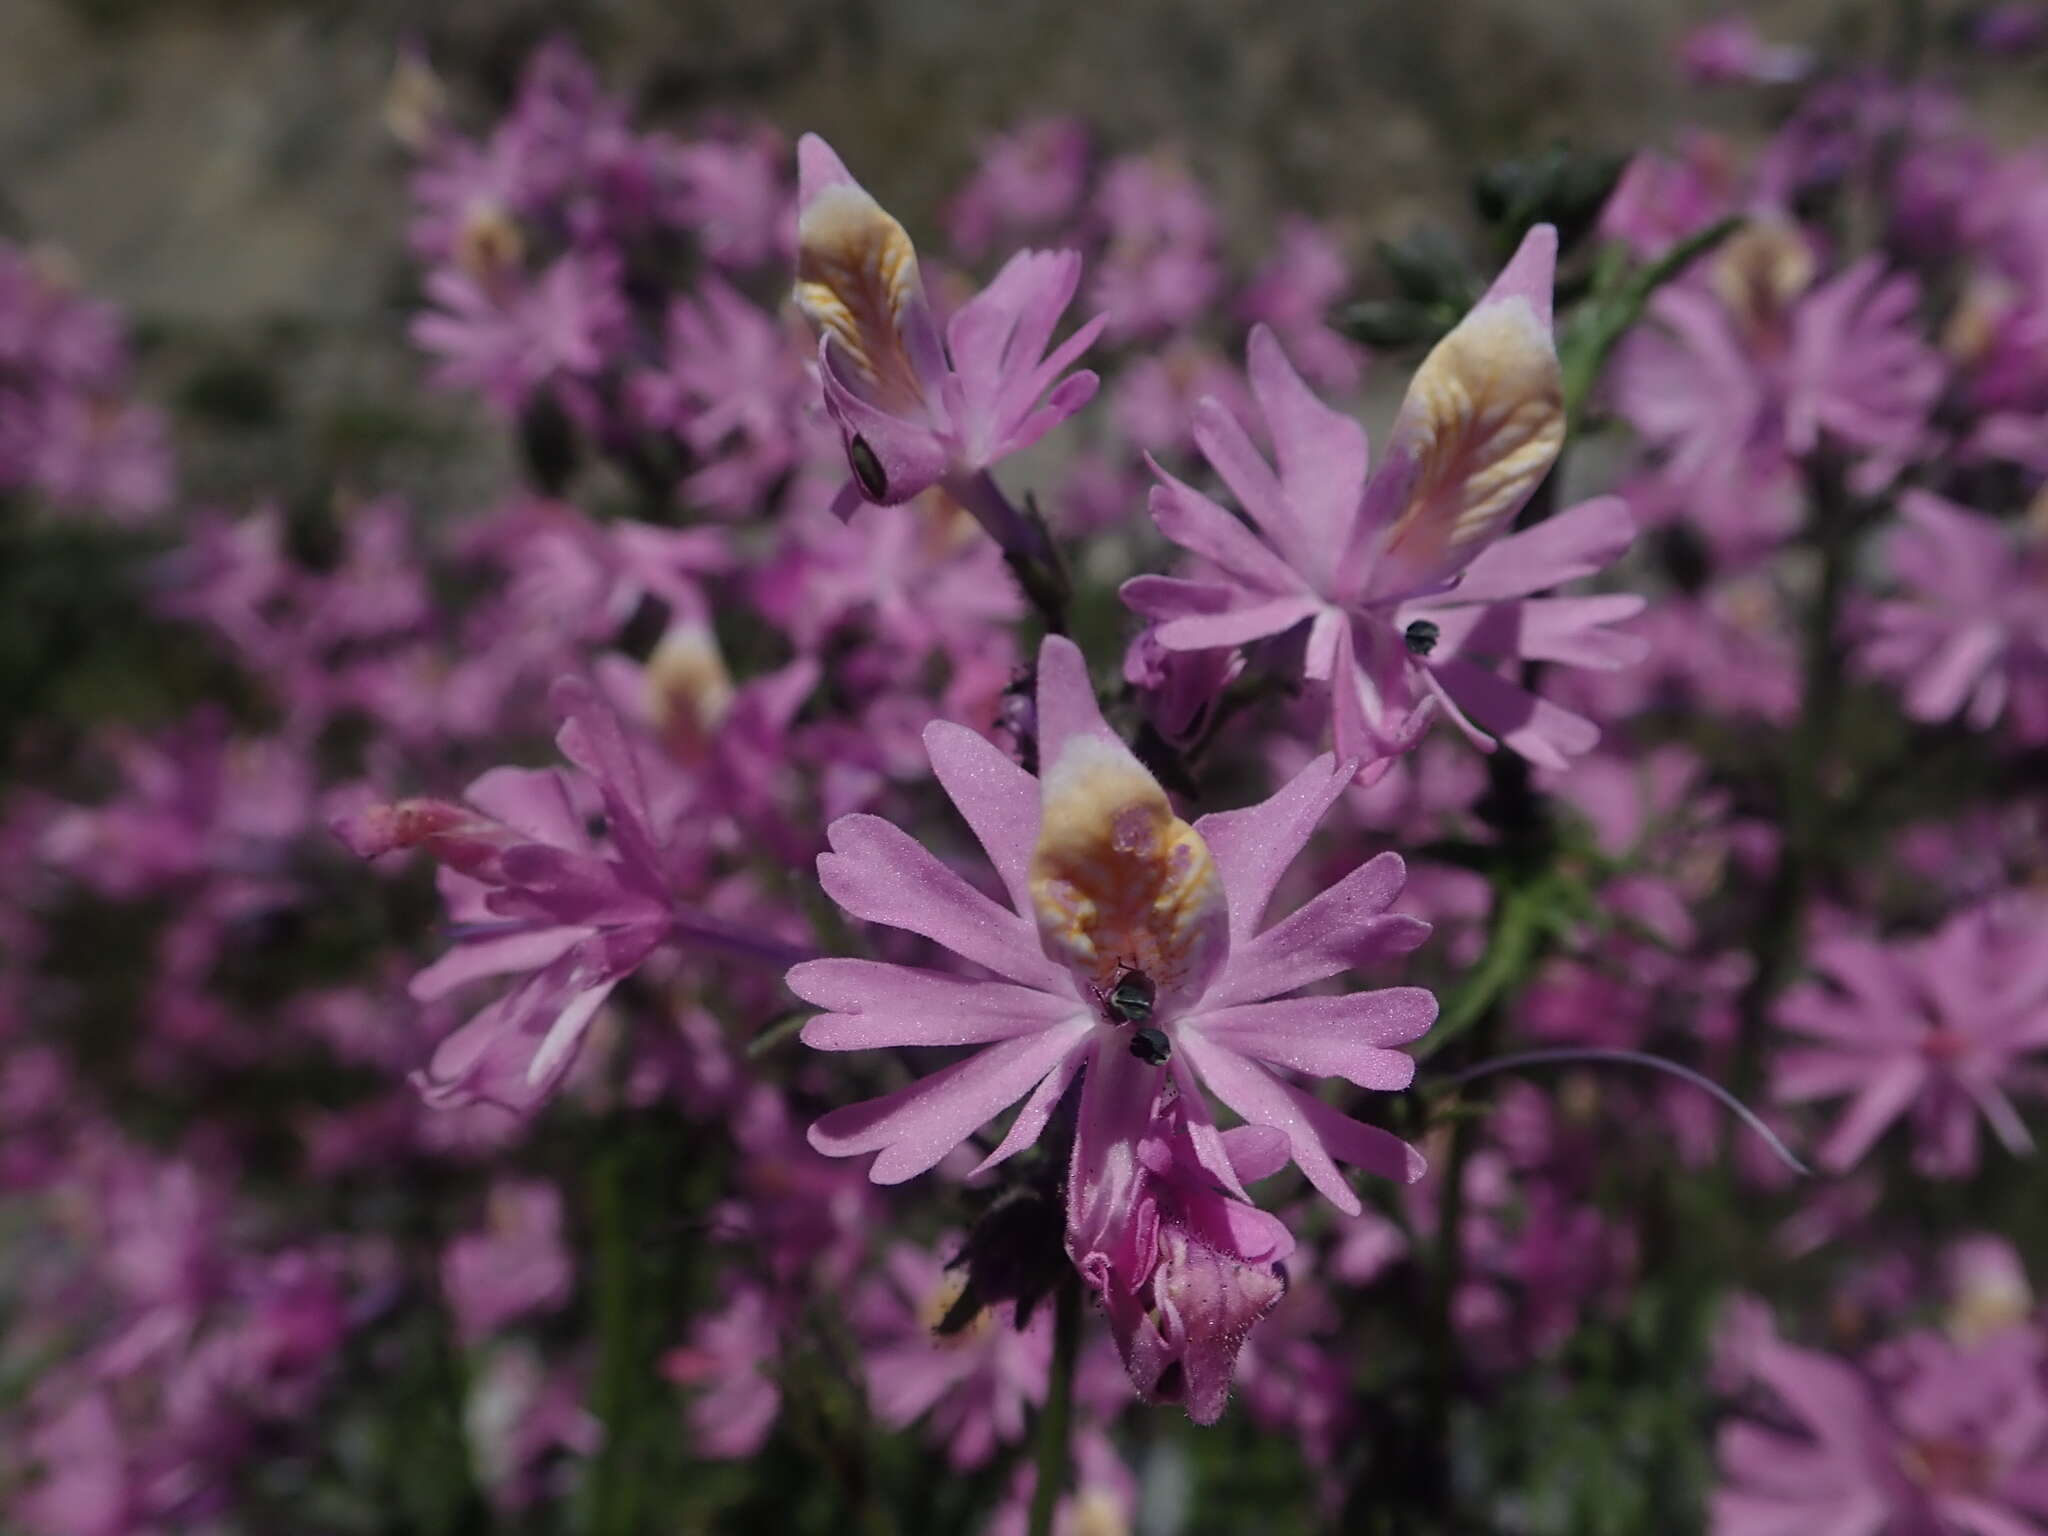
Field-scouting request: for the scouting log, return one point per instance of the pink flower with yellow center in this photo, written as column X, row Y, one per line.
column 1405, row 582
column 1114, row 901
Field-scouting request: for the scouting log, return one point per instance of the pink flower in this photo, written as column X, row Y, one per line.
column 915, row 412
column 516, row 1266
column 508, row 339
column 1030, row 182
column 1939, row 1026
column 977, row 1383
column 1969, row 635
column 1739, row 376
column 1105, row 882
column 539, row 895
column 731, row 1355
column 1404, row 581
column 1955, row 1441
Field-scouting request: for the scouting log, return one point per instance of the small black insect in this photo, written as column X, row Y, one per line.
column 1130, row 997
column 1151, row 1046
column 867, row 469
column 1421, row 636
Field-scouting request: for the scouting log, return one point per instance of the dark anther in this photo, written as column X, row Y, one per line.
column 867, row 469
column 1421, row 637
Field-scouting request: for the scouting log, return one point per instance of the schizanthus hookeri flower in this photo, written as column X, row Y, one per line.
column 1105, row 884
column 1938, row 1027
column 1928, row 1438
column 914, row 411
column 537, row 892
column 1968, row 634
column 1404, row 579
column 1133, row 955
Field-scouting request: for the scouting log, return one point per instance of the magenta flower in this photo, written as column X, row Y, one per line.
column 1939, row 1027
column 730, row 1358
column 1029, row 183
column 1403, row 580
column 1739, row 376
column 516, row 1266
column 1105, row 881
column 508, row 339
column 1969, row 635
column 1184, row 1268
column 1956, row 1443
column 536, row 893
column 978, row 1384
column 912, row 411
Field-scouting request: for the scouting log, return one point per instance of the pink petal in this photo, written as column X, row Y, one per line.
column 1066, row 701
column 1197, row 524
column 998, row 799
column 1541, row 731
column 1202, row 632
column 1345, row 927
column 880, row 874
column 1578, row 542
column 1253, row 847
column 874, row 1005
column 915, row 1127
column 1883, row 1099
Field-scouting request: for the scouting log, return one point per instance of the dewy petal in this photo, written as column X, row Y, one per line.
column 998, row 799
column 1346, row 1037
column 857, row 281
column 1481, row 426
column 1036, row 1114
column 914, row 1127
column 501, row 955
column 1254, row 846
column 879, row 874
column 873, row 1005
column 1173, row 597
column 1346, row 927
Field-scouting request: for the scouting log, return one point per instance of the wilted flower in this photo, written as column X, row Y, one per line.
column 1407, row 582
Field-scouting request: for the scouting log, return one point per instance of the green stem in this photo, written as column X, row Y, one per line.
column 1055, row 1420
column 614, row 1491
column 1803, row 775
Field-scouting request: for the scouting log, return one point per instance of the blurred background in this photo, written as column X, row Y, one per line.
column 223, row 169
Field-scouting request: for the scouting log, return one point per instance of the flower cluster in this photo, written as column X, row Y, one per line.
column 854, row 918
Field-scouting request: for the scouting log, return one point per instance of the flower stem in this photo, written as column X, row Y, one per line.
column 1055, row 1420
column 613, row 1494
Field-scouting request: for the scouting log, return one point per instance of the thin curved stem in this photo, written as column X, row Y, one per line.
column 1569, row 1055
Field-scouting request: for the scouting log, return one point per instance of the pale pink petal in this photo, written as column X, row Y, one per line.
column 915, row 1127
column 998, row 799
column 873, row 1005
column 1253, row 847
column 880, row 874
column 1345, row 927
